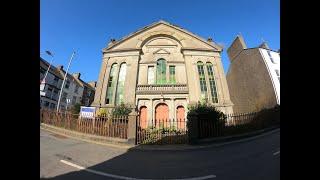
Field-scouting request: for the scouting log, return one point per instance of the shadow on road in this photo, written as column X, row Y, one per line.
column 250, row 160
column 144, row 164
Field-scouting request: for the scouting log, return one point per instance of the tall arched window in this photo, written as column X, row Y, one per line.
column 212, row 83
column 203, row 85
column 111, row 84
column 161, row 71
column 120, row 87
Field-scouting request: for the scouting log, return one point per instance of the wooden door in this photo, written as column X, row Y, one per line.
column 162, row 115
column 143, row 117
column 180, row 117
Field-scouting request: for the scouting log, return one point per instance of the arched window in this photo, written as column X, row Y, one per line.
column 161, row 71
column 111, row 84
column 203, row 85
column 212, row 83
column 120, row 87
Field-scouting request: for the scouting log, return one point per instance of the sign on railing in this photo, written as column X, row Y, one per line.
column 87, row 112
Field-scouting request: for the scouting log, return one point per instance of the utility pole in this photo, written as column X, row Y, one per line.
column 64, row 79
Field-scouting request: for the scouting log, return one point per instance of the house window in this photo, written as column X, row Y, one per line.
column 111, row 84
column 150, row 75
column 278, row 74
column 55, row 94
column 46, row 103
column 272, row 60
column 74, row 99
column 76, row 89
column 64, row 97
column 212, row 83
column 172, row 78
column 55, row 81
column 42, row 71
column 49, row 92
column 161, row 71
column 121, row 80
column 67, row 84
column 203, row 85
column 52, row 106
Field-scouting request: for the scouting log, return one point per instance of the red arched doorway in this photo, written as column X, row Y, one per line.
column 162, row 115
column 181, row 117
column 143, row 117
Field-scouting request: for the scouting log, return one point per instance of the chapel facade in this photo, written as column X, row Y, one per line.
column 159, row 70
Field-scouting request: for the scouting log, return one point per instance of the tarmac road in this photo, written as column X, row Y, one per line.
column 65, row 158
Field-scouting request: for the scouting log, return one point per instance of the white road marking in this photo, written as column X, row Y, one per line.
column 127, row 178
column 278, row 152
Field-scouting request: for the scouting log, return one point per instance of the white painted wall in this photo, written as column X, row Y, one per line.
column 272, row 67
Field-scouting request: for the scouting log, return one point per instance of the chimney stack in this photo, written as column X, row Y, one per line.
column 112, row 41
column 76, row 75
column 60, row 67
column 236, row 47
column 264, row 45
column 209, row 39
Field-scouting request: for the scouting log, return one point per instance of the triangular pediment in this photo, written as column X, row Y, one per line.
column 161, row 51
column 185, row 38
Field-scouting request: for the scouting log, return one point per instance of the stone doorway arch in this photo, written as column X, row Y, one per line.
column 161, row 115
column 143, row 117
column 180, row 117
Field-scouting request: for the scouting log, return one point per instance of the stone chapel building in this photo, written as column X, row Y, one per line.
column 159, row 70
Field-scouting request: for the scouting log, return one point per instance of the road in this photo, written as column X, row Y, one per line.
column 64, row 158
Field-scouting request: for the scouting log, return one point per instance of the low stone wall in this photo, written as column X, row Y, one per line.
column 101, row 139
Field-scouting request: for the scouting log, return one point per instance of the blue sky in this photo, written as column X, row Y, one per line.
column 88, row 25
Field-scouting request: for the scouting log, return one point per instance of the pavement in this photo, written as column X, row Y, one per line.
column 256, row 158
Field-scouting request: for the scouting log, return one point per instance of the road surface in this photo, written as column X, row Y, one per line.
column 64, row 158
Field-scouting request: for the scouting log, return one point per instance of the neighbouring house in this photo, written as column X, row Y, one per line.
column 73, row 90
column 50, row 86
column 159, row 70
column 88, row 90
column 253, row 77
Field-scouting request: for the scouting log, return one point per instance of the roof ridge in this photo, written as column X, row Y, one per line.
column 167, row 23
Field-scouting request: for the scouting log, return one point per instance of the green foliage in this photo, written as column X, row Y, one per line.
column 268, row 117
column 76, row 108
column 102, row 112
column 121, row 110
column 206, row 111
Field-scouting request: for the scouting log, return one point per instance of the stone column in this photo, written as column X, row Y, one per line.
column 131, row 80
column 105, row 85
column 224, row 84
column 132, row 128
column 100, row 83
column 192, row 79
column 193, row 131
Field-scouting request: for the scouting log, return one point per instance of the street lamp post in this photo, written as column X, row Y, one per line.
column 64, row 79
column 45, row 76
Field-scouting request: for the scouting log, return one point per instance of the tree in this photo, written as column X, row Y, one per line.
column 121, row 110
column 76, row 108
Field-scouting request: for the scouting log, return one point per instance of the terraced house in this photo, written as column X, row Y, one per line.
column 159, row 70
